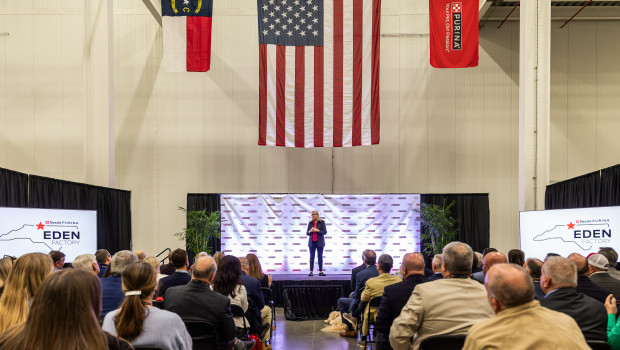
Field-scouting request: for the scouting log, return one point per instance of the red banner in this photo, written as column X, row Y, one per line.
column 454, row 33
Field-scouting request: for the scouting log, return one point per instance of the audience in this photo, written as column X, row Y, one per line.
column 180, row 275
column 584, row 284
column 613, row 328
column 374, row 288
column 488, row 260
column 25, row 277
column 218, row 257
column 151, row 260
column 348, row 305
column 516, row 256
column 598, row 265
column 559, row 282
column 478, row 266
column 612, row 258
column 140, row 254
column 87, row 262
column 446, row 306
column 534, row 267
column 255, row 270
column 64, row 315
column 256, row 302
column 103, row 259
column 58, row 258
column 196, row 300
column 6, row 264
column 354, row 272
column 520, row 323
column 436, row 266
column 111, row 287
column 395, row 296
column 138, row 322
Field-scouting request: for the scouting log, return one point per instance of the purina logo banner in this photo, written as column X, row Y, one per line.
column 453, row 33
column 273, row 226
column 567, row 231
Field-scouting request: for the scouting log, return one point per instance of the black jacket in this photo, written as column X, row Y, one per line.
column 354, row 274
column 176, row 279
column 394, row 299
column 591, row 289
column 320, row 236
column 589, row 314
column 196, row 300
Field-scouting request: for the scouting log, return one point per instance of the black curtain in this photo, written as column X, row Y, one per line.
column 211, row 202
column 113, row 207
column 610, row 186
column 13, row 188
column 580, row 192
column 471, row 211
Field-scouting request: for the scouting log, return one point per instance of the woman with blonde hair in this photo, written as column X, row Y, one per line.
column 153, row 261
column 140, row 323
column 64, row 315
column 25, row 277
column 316, row 241
column 6, row 264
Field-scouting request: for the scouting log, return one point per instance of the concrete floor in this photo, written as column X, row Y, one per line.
column 306, row 335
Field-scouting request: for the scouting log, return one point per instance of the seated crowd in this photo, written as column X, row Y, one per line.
column 496, row 301
column 124, row 300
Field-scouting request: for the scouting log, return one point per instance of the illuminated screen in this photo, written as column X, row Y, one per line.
column 566, row 231
column 273, row 226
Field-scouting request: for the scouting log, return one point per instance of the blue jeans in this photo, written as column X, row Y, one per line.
column 347, row 305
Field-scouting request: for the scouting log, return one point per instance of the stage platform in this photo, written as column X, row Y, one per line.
column 306, row 298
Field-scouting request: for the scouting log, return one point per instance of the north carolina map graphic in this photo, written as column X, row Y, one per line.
column 559, row 232
column 24, row 233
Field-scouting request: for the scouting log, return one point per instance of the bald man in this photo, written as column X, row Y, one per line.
column 490, row 259
column 396, row 296
column 584, row 283
column 520, row 321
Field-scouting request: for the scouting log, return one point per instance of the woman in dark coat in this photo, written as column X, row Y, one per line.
column 316, row 241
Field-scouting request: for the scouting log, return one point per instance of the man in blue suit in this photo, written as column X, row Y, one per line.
column 180, row 277
column 112, row 294
column 316, row 241
column 396, row 296
column 348, row 305
column 255, row 300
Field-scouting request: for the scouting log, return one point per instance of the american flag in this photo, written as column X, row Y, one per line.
column 319, row 72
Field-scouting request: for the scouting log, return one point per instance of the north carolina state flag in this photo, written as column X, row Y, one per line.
column 186, row 26
column 454, row 33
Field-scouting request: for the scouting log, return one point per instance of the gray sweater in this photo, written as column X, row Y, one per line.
column 161, row 328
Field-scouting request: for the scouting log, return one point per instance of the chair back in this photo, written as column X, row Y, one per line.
column 237, row 310
column 598, row 345
column 443, row 342
column 375, row 302
column 267, row 295
column 202, row 332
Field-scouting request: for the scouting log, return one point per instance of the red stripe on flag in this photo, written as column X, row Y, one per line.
column 300, row 77
column 318, row 96
column 198, row 44
column 262, row 95
column 358, row 32
column 338, row 72
column 374, row 89
column 280, row 90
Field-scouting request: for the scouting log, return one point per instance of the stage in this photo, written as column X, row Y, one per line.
column 307, row 298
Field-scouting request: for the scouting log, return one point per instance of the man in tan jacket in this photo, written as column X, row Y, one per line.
column 446, row 306
column 521, row 323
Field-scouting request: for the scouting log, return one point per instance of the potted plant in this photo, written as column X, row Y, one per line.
column 439, row 226
column 201, row 228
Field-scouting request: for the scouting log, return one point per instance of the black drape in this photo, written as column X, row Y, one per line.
column 471, row 211
column 610, row 186
column 211, row 202
column 113, row 207
column 581, row 192
column 13, row 188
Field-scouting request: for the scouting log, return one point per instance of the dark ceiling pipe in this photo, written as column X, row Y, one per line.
column 510, row 13
column 570, row 19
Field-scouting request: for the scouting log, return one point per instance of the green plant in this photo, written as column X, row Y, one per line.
column 201, row 228
column 439, row 225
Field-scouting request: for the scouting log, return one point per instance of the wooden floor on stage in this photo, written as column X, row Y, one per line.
column 305, row 277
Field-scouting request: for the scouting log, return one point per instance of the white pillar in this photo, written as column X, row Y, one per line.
column 534, row 95
column 99, row 92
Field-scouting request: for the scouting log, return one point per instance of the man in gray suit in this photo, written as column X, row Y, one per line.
column 598, row 265
column 445, row 306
